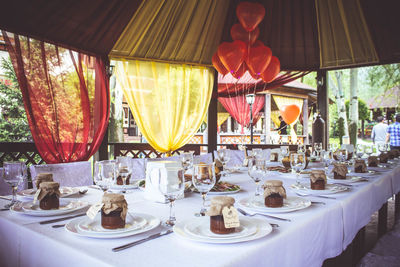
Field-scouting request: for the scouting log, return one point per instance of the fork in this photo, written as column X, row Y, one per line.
column 269, row 216
column 305, row 195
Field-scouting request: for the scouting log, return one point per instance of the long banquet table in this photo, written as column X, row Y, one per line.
column 313, row 235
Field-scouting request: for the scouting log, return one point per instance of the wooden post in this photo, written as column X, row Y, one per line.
column 382, row 220
column 305, row 121
column 267, row 118
column 212, row 117
column 397, row 206
column 322, row 102
column 103, row 149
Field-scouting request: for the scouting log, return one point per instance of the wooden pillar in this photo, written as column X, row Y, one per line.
column 322, row 102
column 267, row 118
column 103, row 149
column 305, row 121
column 212, row 117
column 382, row 220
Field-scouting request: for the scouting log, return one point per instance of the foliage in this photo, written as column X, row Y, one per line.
column 384, row 76
column 13, row 124
column 363, row 111
column 340, row 130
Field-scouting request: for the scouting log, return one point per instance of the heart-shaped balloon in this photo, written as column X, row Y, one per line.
column 258, row 59
column 272, row 70
column 239, row 33
column 258, row 43
column 218, row 64
column 240, row 72
column 232, row 54
column 290, row 113
column 250, row 15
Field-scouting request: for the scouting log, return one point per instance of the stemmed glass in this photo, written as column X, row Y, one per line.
column 333, row 147
column 124, row 168
column 301, row 149
column 171, row 184
column 223, row 156
column 104, row 174
column 298, row 163
column 14, row 174
column 318, row 149
column 256, row 171
column 369, row 149
column 382, row 148
column 284, row 151
column 187, row 160
column 257, row 153
column 327, row 157
column 203, row 180
column 360, row 151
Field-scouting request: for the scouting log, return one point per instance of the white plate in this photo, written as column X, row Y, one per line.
column 124, row 187
column 65, row 192
column 291, row 203
column 263, row 229
column 201, row 228
column 133, row 223
column 349, row 179
column 305, row 188
column 66, row 206
column 151, row 223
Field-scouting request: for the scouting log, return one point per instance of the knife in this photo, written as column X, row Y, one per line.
column 5, row 198
column 142, row 240
column 62, row 219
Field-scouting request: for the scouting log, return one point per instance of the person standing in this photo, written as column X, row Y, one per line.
column 282, row 127
column 393, row 134
column 379, row 132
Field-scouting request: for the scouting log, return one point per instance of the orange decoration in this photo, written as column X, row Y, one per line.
column 239, row 33
column 218, row 64
column 258, row 59
column 290, row 113
column 272, row 70
column 232, row 55
column 250, row 14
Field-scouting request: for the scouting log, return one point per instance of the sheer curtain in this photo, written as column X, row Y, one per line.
column 65, row 95
column 168, row 101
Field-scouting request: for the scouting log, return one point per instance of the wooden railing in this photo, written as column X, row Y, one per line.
column 263, row 146
column 20, row 151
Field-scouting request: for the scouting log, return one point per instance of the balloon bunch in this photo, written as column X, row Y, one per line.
column 246, row 53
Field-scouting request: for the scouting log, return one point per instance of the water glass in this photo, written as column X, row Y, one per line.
column 106, row 174
column 256, row 170
column 301, row 149
column 124, row 169
column 297, row 163
column 369, row 149
column 327, row 158
column 360, row 151
column 342, row 155
column 223, row 156
column 171, row 184
column 14, row 173
column 382, row 148
column 203, row 180
column 187, row 160
column 318, row 149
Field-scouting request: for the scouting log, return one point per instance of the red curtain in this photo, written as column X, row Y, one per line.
column 240, row 110
column 66, row 98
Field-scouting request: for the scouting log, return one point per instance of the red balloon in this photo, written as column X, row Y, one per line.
column 272, row 70
column 232, row 54
column 290, row 113
column 252, row 74
column 240, row 72
column 218, row 64
column 258, row 59
column 239, row 33
column 250, row 15
column 258, row 43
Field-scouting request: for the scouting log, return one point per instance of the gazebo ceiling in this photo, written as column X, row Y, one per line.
column 304, row 34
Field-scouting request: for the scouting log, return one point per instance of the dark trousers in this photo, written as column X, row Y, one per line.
column 395, row 147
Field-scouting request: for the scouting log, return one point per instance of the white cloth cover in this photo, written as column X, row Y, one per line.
column 237, row 158
column 67, row 174
column 139, row 168
column 206, row 158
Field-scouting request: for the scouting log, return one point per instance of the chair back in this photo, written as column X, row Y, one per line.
column 206, row 158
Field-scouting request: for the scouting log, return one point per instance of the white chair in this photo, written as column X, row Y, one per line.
column 139, row 168
column 67, row 174
column 237, row 158
column 206, row 158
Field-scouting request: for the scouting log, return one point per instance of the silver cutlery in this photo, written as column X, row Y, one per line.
column 142, row 240
column 83, row 191
column 62, row 219
column 304, row 195
column 343, row 184
column 269, row 216
column 5, row 198
column 58, row 225
column 318, row 202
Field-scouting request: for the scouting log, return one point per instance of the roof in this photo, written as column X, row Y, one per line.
column 389, row 99
column 304, row 35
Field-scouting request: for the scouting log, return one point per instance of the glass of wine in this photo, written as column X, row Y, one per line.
column 203, row 180
column 14, row 173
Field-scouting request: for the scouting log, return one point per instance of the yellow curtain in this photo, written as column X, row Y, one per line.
column 344, row 38
column 168, row 101
column 173, row 30
column 275, row 118
column 221, row 118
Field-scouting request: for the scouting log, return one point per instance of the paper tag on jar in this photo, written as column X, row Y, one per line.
column 231, row 217
column 35, row 197
column 93, row 210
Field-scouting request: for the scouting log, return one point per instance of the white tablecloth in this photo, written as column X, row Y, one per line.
column 315, row 234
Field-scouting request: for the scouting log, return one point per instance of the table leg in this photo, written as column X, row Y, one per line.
column 382, row 219
column 397, row 206
column 358, row 246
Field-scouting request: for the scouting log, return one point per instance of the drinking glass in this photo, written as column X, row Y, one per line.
column 124, row 168
column 14, row 174
column 257, row 153
column 223, row 156
column 333, row 147
column 301, row 149
column 342, row 155
column 256, row 170
column 107, row 171
column 187, row 160
column 382, row 148
column 284, row 151
column 360, row 151
column 298, row 163
column 369, row 149
column 318, row 149
column 327, row 158
column 171, row 184
column 203, row 180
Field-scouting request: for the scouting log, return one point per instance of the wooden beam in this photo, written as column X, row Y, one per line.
column 322, row 102
column 103, row 149
column 212, row 117
column 267, row 118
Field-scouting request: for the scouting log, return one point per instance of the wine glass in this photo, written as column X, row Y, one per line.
column 301, row 149
column 342, row 155
column 318, row 149
column 298, row 163
column 284, row 151
column 203, row 180
column 360, row 151
column 97, row 177
column 256, row 171
column 369, row 149
column 107, row 171
column 382, row 148
column 257, row 153
column 327, row 158
column 187, row 160
column 124, row 169
column 14, row 174
column 171, row 184
column 223, row 156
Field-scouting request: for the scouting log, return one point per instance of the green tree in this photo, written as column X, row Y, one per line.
column 13, row 123
column 384, row 76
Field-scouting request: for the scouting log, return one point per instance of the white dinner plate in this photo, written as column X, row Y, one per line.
column 262, row 226
column 201, row 228
column 350, row 178
column 124, row 187
column 291, row 203
column 133, row 223
column 151, row 223
column 66, row 206
column 305, row 188
column 65, row 192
